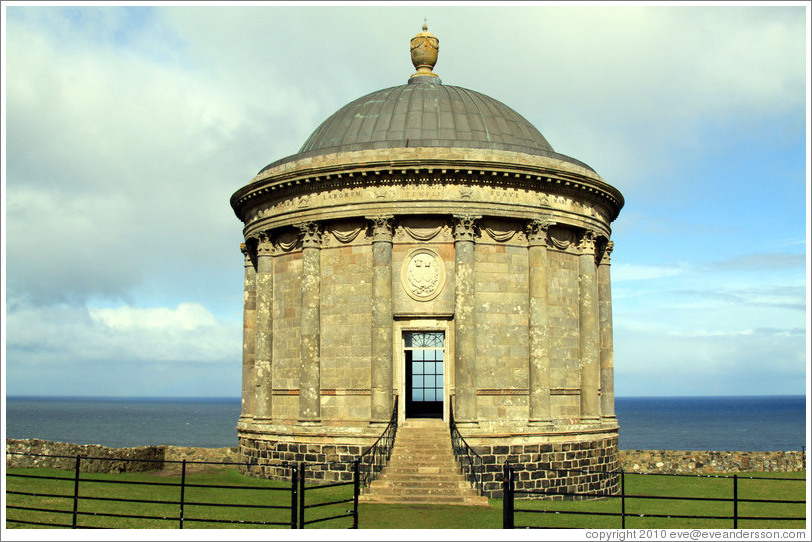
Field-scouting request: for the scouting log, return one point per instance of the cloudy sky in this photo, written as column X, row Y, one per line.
column 128, row 128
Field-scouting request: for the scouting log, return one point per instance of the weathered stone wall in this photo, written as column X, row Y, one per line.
column 346, row 319
column 136, row 459
column 707, row 462
column 148, row 457
column 214, row 455
column 286, row 323
column 565, row 379
column 501, row 316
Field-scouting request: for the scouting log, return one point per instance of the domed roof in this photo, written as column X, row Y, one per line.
column 425, row 113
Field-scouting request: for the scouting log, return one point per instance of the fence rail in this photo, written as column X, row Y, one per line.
column 182, row 503
column 510, row 493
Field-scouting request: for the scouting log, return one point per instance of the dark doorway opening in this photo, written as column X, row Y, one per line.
column 424, row 353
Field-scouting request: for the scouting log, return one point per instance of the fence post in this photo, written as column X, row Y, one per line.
column 507, row 496
column 294, row 501
column 75, row 493
column 182, row 491
column 622, row 499
column 301, row 494
column 735, row 501
column 356, row 490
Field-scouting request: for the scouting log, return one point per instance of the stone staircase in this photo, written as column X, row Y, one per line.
column 422, row 470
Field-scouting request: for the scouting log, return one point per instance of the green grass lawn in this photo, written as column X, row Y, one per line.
column 94, row 511
column 678, row 486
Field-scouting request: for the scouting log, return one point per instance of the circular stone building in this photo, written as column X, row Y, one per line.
column 428, row 244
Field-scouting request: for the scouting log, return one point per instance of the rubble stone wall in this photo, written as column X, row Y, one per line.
column 28, row 453
column 707, row 462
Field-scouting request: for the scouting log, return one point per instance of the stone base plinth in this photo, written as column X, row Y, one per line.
column 325, row 458
column 582, row 466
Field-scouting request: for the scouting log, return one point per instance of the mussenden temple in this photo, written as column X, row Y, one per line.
column 428, row 260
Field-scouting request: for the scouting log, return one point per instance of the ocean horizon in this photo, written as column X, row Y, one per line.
column 725, row 423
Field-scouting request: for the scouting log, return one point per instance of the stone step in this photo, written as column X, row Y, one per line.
column 458, row 501
column 422, row 470
column 423, row 433
column 429, row 473
column 442, row 476
column 413, row 469
column 405, row 491
column 419, row 449
column 430, row 459
column 419, row 484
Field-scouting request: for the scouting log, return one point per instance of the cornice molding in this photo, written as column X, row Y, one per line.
column 542, row 179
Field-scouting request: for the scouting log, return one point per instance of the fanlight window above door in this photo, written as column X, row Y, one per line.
column 424, row 340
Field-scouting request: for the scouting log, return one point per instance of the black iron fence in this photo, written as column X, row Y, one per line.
column 70, row 501
column 469, row 461
column 376, row 457
column 510, row 511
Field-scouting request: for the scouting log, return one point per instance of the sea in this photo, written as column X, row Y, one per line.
column 769, row 423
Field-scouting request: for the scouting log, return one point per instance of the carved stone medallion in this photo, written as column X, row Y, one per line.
column 423, row 274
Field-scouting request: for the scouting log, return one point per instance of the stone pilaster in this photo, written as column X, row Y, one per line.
column 539, row 370
column 263, row 348
column 607, row 348
column 589, row 342
column 310, row 369
column 382, row 363
column 465, row 408
column 249, row 338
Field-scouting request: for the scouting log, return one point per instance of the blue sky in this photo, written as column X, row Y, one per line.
column 127, row 130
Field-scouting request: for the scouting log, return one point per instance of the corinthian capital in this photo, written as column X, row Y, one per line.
column 587, row 242
column 247, row 254
column 311, row 234
column 264, row 244
column 465, row 227
column 537, row 231
column 382, row 228
column 606, row 257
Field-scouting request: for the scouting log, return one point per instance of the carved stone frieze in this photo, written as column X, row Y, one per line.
column 561, row 237
column 288, row 240
column 500, row 231
column 422, row 228
column 489, row 191
column 345, row 232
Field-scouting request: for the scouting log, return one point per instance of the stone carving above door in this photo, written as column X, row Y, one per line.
column 423, row 274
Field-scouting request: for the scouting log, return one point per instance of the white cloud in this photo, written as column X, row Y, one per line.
column 186, row 317
column 188, row 333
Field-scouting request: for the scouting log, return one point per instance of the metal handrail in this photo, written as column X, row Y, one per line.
column 372, row 461
column 469, row 461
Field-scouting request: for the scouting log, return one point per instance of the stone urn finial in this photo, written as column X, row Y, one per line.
column 424, row 47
